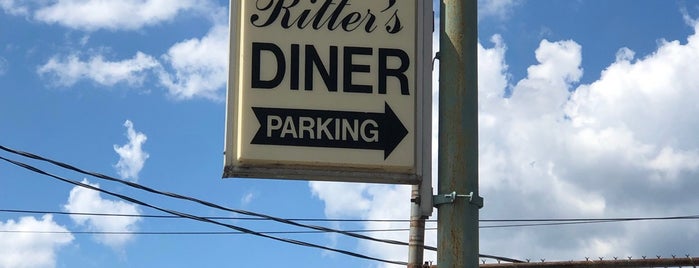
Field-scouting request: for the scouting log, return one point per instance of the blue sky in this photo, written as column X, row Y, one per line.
column 585, row 112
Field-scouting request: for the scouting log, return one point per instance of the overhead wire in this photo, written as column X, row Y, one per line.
column 545, row 222
column 612, row 219
column 190, row 232
column 539, row 222
column 196, row 218
column 196, row 200
column 212, row 205
column 175, row 217
column 553, row 222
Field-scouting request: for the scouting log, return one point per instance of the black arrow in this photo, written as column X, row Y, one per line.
column 330, row 129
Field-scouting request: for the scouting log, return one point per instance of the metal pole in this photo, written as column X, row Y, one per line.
column 457, row 231
column 416, row 243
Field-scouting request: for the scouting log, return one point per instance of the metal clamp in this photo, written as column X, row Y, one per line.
column 451, row 198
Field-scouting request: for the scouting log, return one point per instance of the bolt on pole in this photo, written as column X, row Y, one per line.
column 457, row 232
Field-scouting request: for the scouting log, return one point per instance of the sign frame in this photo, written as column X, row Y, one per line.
column 420, row 173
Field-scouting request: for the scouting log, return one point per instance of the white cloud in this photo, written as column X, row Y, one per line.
column 496, row 8
column 624, row 145
column 196, row 67
column 199, row 66
column 25, row 250
column 247, row 198
column 688, row 19
column 668, row 163
column 83, row 200
column 599, row 151
column 625, row 54
column 131, row 155
column 12, row 7
column 4, row 66
column 492, row 69
column 193, row 68
column 69, row 70
column 370, row 201
column 92, row 15
column 390, row 202
column 342, row 199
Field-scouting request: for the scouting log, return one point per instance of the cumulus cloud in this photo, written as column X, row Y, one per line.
column 131, row 155
column 83, row 200
column 27, row 250
column 623, row 145
column 68, row 70
column 496, row 8
column 199, row 66
column 369, row 201
column 93, row 15
column 342, row 199
column 13, row 7
column 193, row 68
column 592, row 150
column 391, row 202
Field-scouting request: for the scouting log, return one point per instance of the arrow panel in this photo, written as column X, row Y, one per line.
column 332, row 129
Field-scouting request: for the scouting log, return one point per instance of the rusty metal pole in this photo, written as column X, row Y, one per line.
column 421, row 206
column 416, row 243
column 458, row 201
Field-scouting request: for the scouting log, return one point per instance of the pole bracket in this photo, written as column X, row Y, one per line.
column 450, row 198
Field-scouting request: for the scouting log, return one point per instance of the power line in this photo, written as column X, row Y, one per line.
column 229, row 233
column 193, row 217
column 195, row 200
column 175, row 217
column 616, row 219
column 540, row 222
column 212, row 205
column 310, row 232
column 192, row 232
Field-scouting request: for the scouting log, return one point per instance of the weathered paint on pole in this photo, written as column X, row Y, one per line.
column 457, row 232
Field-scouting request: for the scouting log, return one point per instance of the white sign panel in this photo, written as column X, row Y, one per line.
column 329, row 90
